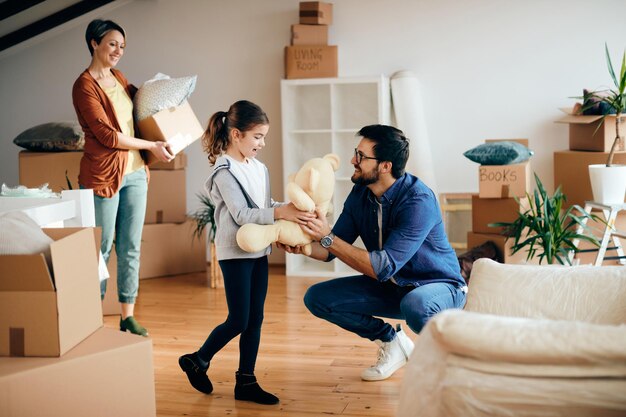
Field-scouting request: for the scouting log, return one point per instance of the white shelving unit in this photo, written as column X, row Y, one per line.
column 321, row 116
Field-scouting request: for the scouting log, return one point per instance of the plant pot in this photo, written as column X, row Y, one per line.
column 608, row 183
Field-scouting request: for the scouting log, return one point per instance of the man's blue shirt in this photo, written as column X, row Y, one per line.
column 415, row 248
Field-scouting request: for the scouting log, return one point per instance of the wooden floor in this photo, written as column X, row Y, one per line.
column 311, row 365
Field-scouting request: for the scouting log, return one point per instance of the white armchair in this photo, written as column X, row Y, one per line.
column 532, row 341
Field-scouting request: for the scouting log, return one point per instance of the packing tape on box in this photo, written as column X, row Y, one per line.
column 409, row 113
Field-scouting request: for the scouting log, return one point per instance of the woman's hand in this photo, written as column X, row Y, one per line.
column 162, row 151
column 290, row 212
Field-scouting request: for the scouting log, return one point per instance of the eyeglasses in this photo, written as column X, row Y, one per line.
column 359, row 156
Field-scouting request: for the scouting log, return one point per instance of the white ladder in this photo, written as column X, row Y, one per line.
column 610, row 212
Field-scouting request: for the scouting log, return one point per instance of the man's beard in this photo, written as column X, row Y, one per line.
column 365, row 179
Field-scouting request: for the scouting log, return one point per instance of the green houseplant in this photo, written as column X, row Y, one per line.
column 546, row 229
column 205, row 218
column 608, row 181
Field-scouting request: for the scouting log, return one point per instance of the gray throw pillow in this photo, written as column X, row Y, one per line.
column 160, row 93
column 51, row 137
column 499, row 153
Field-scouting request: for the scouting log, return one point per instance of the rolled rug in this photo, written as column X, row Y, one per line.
column 409, row 113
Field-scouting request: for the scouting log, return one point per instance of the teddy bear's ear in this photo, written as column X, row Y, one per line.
column 333, row 159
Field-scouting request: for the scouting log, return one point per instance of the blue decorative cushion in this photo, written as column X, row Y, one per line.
column 499, row 153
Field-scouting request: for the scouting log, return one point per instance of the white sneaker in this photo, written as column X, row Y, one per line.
column 391, row 357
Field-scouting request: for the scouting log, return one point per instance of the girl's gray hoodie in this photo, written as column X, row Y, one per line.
column 233, row 208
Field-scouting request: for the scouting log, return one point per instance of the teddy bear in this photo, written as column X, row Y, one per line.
column 309, row 189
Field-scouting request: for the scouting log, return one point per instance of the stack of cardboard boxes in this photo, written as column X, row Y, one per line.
column 590, row 142
column 167, row 247
column 309, row 55
column 56, row 359
column 498, row 186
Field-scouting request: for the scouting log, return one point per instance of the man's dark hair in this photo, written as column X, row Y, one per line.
column 98, row 28
column 390, row 144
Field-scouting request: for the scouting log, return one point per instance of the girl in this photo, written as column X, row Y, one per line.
column 239, row 188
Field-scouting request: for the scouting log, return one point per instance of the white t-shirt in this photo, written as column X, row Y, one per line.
column 251, row 174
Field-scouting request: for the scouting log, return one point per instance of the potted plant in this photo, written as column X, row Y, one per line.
column 608, row 181
column 205, row 217
column 546, row 229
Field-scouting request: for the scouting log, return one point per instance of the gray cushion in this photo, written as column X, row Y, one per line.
column 499, row 153
column 55, row 136
column 160, row 93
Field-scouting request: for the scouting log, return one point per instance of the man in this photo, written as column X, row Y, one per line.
column 409, row 270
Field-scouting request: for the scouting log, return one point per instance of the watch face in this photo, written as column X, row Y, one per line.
column 326, row 241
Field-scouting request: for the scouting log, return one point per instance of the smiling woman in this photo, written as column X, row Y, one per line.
column 111, row 164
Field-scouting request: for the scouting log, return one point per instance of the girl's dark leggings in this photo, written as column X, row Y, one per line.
column 245, row 284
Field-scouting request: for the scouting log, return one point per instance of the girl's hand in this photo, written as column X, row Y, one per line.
column 162, row 151
column 290, row 212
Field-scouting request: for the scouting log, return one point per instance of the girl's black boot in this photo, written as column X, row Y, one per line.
column 248, row 389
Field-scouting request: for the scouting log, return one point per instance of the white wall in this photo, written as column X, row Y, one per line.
column 488, row 68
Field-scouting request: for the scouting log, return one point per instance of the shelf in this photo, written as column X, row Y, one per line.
column 321, row 116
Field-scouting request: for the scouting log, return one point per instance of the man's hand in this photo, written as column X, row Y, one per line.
column 296, row 250
column 317, row 228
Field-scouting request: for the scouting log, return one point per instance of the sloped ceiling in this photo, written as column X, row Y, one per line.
column 21, row 20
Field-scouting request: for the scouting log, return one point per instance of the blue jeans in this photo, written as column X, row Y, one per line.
column 121, row 217
column 353, row 302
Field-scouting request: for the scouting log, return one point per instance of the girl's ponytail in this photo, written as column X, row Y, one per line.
column 215, row 137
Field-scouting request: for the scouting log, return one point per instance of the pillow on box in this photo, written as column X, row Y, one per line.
column 50, row 137
column 592, row 106
column 162, row 92
column 499, row 153
column 22, row 236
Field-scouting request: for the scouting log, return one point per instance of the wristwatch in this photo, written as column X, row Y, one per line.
column 327, row 240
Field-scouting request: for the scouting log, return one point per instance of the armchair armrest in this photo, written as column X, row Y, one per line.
column 529, row 341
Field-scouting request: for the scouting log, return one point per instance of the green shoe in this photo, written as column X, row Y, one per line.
column 129, row 324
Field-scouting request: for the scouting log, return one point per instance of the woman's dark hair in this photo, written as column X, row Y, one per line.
column 242, row 115
column 390, row 144
column 96, row 30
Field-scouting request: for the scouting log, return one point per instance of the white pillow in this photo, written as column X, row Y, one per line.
column 22, row 236
column 161, row 92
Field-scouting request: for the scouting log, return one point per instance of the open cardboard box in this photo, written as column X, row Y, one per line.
column 46, row 312
column 178, row 126
column 591, row 133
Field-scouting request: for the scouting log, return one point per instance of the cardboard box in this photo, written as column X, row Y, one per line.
column 178, row 126
column 572, row 173
column 167, row 197
column 46, row 312
column 37, row 168
column 109, row 374
column 310, row 61
column 504, row 181
column 589, row 133
column 521, row 141
column 110, row 304
column 503, row 245
column 316, row 13
column 495, row 210
column 309, row 35
column 171, row 249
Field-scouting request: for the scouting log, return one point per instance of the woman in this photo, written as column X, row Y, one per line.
column 111, row 164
